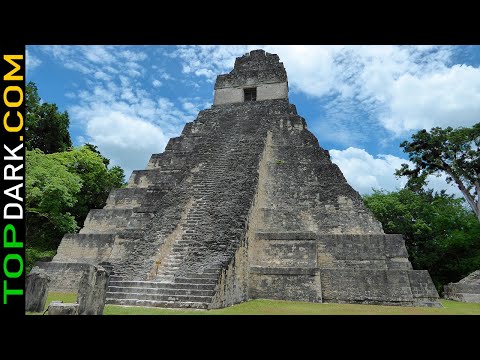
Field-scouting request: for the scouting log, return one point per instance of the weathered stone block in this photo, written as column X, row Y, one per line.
column 466, row 290
column 294, row 284
column 64, row 276
column 58, row 308
column 36, row 291
column 85, row 248
column 366, row 286
column 92, row 291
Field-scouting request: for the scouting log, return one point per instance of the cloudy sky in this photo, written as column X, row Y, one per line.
column 360, row 101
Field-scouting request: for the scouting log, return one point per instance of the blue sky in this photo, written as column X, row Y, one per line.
column 360, row 101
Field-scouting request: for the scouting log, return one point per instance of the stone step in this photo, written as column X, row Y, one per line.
column 215, row 270
column 195, row 280
column 169, row 271
column 161, row 291
column 176, row 256
column 167, row 279
column 162, row 285
column 153, row 303
column 184, row 243
column 101, row 221
column 172, row 262
column 125, row 198
column 205, row 275
column 77, row 243
column 183, row 246
column 179, row 249
column 159, row 297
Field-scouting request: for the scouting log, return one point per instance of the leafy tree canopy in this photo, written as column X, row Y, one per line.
column 62, row 183
column 46, row 128
column 62, row 188
column 97, row 179
column 441, row 235
column 454, row 152
column 51, row 194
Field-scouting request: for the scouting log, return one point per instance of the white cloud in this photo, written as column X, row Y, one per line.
column 128, row 124
column 193, row 106
column 118, row 112
column 365, row 172
column 100, row 75
column 402, row 88
column 390, row 90
column 121, row 132
column 133, row 55
column 445, row 98
column 166, row 76
column 32, row 61
column 128, row 141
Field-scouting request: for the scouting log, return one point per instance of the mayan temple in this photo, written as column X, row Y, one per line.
column 244, row 204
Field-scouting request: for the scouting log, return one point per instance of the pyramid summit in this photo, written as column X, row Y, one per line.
column 244, row 204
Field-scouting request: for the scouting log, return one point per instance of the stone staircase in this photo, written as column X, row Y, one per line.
column 186, row 292
column 174, row 285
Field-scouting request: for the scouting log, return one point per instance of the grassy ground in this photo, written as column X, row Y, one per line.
column 275, row 307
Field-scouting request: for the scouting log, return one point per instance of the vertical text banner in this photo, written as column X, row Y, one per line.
column 12, row 259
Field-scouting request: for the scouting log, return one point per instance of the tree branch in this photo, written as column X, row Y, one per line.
column 470, row 199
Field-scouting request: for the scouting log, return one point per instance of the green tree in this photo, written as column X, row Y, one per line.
column 61, row 188
column 51, row 194
column 97, row 179
column 62, row 183
column 454, row 152
column 45, row 127
column 441, row 235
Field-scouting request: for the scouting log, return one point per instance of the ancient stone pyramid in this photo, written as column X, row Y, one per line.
column 243, row 204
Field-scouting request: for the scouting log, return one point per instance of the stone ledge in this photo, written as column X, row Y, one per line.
column 285, row 235
column 91, row 239
column 284, row 270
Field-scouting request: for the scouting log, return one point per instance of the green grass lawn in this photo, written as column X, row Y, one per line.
column 277, row 307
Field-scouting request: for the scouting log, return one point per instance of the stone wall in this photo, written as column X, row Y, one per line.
column 264, row 92
column 85, row 248
column 362, row 268
column 257, row 69
column 292, row 283
column 272, row 91
column 64, row 277
column 466, row 290
column 306, row 191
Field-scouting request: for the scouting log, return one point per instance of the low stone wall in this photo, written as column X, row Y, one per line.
column 341, row 268
column 85, row 248
column 306, row 249
column 466, row 290
column 389, row 287
column 264, row 92
column 64, row 276
column 294, row 284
